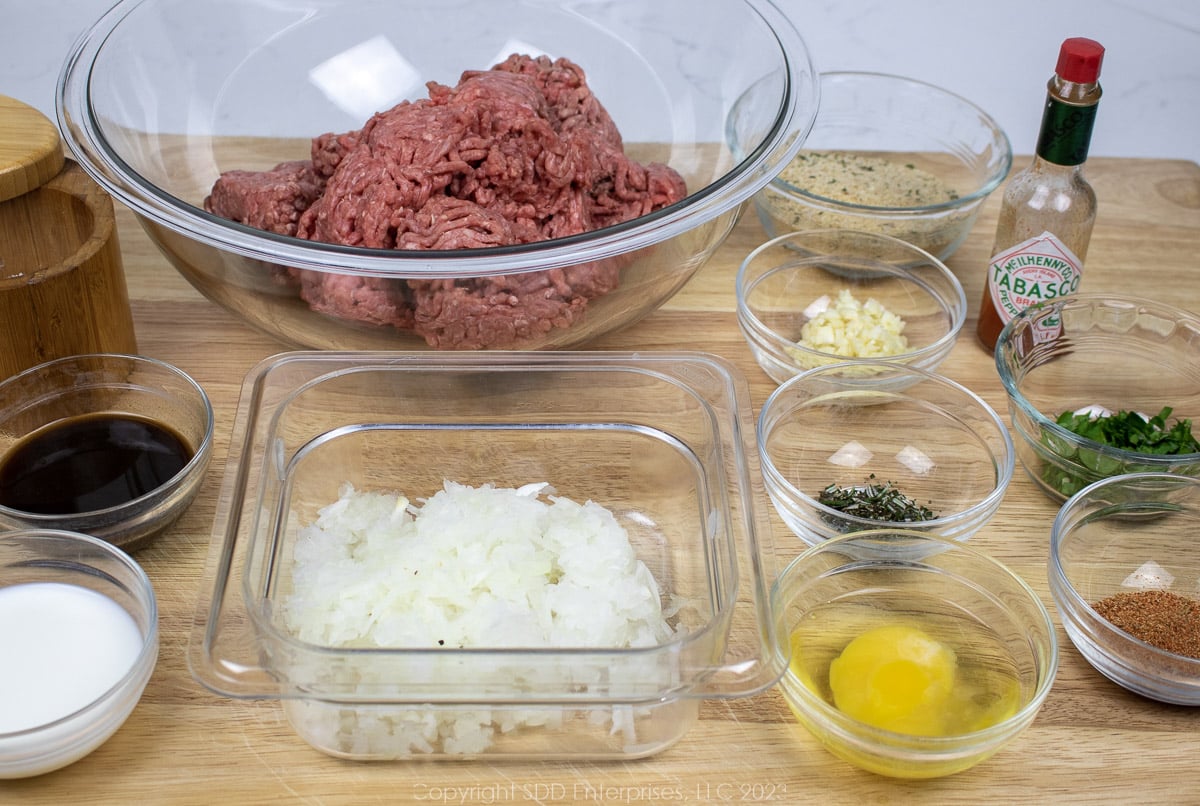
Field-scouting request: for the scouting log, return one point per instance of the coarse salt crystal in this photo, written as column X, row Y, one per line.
column 915, row 460
column 1149, row 576
column 818, row 306
column 852, row 454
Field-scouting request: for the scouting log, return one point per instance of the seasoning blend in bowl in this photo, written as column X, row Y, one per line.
column 78, row 623
column 1125, row 574
column 114, row 446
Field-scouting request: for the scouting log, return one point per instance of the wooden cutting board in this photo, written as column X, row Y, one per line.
column 1092, row 743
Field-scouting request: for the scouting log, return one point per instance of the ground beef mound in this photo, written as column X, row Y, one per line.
column 519, row 153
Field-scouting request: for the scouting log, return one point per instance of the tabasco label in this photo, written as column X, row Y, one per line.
column 1037, row 270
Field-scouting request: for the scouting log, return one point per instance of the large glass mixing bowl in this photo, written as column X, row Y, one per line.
column 160, row 97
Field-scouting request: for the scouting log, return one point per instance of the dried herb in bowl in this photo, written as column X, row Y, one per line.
column 875, row 501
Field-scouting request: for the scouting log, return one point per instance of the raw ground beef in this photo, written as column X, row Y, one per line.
column 519, row 153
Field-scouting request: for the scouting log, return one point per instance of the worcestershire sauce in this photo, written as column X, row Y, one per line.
column 91, row 462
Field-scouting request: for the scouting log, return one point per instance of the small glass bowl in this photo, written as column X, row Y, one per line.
column 1119, row 352
column 66, row 558
column 83, row 385
column 1005, row 651
column 1132, row 535
column 939, row 443
column 784, row 284
column 913, row 126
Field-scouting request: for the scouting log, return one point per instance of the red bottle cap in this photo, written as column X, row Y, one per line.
column 1079, row 60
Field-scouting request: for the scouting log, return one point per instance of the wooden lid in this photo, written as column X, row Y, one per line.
column 31, row 151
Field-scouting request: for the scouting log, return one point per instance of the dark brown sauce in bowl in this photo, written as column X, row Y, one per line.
column 89, row 463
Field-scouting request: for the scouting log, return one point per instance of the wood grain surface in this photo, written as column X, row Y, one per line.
column 1093, row 742
column 31, row 152
column 62, row 287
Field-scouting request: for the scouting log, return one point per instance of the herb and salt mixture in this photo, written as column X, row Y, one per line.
column 470, row 567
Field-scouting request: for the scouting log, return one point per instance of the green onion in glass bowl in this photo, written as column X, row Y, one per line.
column 1062, row 362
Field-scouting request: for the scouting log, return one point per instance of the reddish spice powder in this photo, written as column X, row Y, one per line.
column 1161, row 618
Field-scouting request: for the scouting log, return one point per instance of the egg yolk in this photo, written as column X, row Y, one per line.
column 896, row 678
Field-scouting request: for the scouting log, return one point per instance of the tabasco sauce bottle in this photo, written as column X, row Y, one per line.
column 1048, row 209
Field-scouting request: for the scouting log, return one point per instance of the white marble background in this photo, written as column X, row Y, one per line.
column 998, row 54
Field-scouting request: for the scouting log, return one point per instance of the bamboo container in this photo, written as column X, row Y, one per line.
column 62, row 284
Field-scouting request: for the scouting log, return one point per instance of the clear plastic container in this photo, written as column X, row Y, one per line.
column 660, row 440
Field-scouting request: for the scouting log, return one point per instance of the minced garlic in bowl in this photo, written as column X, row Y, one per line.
column 809, row 299
column 852, row 329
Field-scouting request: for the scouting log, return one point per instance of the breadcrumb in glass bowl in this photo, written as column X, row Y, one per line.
column 890, row 155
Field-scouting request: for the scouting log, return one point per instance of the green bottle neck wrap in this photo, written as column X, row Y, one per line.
column 1066, row 132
